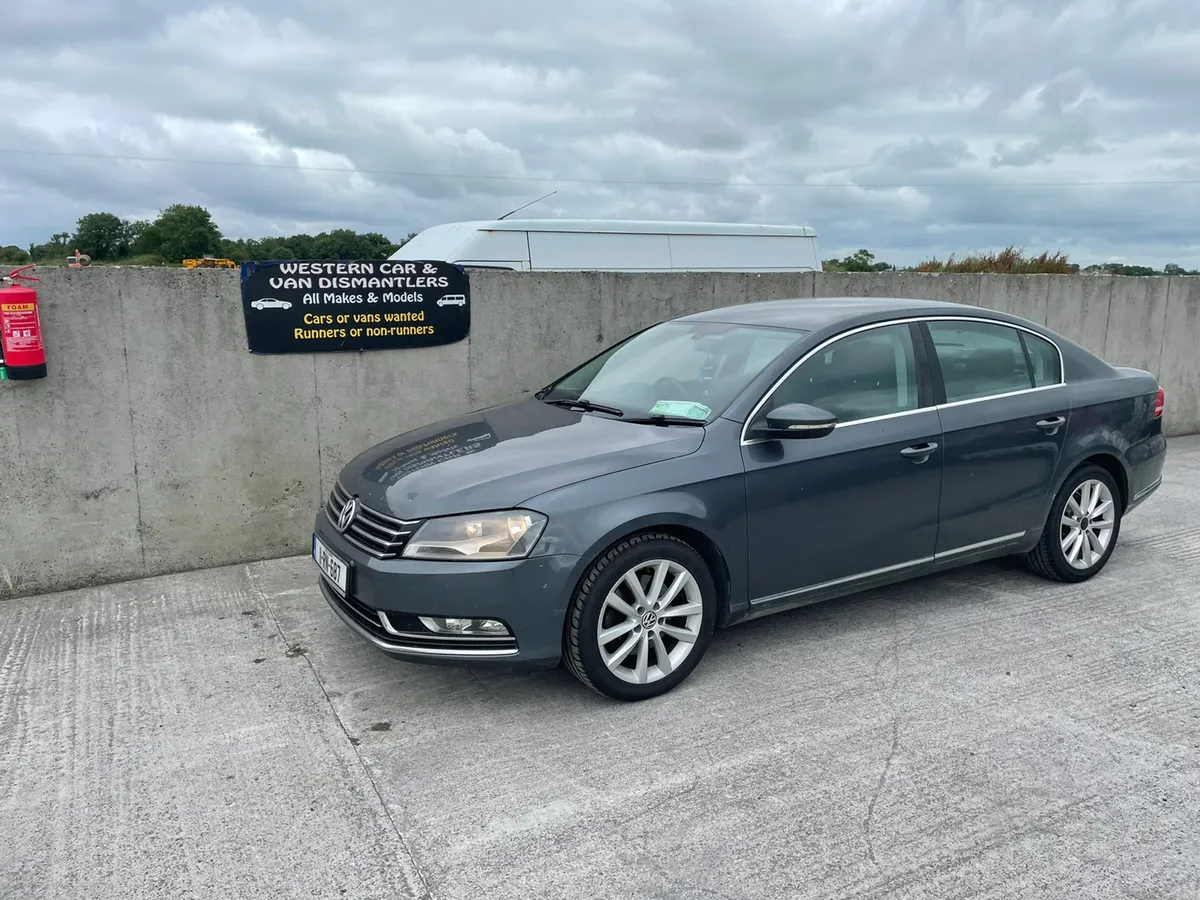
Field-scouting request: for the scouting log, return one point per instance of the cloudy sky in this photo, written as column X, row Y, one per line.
column 910, row 127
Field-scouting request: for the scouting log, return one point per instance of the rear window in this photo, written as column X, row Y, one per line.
column 1044, row 359
column 980, row 359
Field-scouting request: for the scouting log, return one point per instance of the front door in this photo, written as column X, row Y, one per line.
column 861, row 501
column 1004, row 420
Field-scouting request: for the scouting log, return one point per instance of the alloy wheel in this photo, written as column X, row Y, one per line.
column 1087, row 524
column 650, row 621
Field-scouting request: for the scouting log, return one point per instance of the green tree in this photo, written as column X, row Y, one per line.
column 102, row 236
column 181, row 232
column 236, row 250
column 143, row 239
column 376, row 246
column 861, row 261
column 54, row 249
column 343, row 243
column 13, row 255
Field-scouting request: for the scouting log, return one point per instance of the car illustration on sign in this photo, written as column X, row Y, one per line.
column 271, row 303
column 453, row 300
column 727, row 465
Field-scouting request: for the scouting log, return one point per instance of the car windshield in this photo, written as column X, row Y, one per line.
column 679, row 370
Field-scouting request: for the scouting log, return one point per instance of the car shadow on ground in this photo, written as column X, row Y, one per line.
column 828, row 626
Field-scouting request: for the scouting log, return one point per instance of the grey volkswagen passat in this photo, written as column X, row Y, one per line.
column 730, row 464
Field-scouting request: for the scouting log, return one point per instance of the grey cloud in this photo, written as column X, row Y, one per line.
column 929, row 92
column 921, row 154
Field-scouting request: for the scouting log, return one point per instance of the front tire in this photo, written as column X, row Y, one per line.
column 641, row 619
column 1082, row 528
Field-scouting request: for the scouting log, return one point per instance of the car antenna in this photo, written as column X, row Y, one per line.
column 530, row 203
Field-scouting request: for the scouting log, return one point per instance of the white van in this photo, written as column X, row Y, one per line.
column 574, row 245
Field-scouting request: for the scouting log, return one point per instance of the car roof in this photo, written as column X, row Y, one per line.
column 819, row 313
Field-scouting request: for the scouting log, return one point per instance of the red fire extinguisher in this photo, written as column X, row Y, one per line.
column 22, row 354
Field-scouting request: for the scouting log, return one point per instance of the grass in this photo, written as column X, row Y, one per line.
column 1009, row 261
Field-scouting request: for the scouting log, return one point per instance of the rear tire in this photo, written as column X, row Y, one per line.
column 1082, row 528
column 642, row 618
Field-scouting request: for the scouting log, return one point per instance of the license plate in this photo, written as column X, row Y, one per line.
column 331, row 566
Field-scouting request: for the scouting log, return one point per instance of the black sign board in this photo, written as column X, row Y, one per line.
column 376, row 304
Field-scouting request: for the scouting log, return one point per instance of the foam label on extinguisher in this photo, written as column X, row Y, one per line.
column 21, row 330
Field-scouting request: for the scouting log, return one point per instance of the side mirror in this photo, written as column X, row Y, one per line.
column 796, row 420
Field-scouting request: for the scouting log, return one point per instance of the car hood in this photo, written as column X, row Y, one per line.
column 500, row 457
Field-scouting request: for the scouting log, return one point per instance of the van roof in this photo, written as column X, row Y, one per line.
column 641, row 226
column 447, row 240
column 624, row 226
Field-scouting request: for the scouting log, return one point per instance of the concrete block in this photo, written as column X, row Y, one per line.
column 1136, row 321
column 528, row 329
column 1077, row 307
column 631, row 302
column 364, row 398
column 68, row 493
column 761, row 287
column 224, row 440
column 1180, row 364
column 731, row 289
column 914, row 285
column 841, row 284
column 1019, row 295
column 159, row 443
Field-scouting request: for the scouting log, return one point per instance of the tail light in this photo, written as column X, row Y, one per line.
column 1160, row 403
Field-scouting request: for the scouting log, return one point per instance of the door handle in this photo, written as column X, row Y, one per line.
column 1050, row 426
column 919, row 453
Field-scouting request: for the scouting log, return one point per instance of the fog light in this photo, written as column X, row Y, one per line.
column 473, row 627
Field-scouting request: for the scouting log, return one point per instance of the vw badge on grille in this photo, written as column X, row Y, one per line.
column 346, row 516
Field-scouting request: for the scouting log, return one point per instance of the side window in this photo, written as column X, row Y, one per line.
column 979, row 359
column 1043, row 356
column 873, row 373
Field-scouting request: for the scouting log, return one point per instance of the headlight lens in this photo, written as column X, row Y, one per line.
column 496, row 535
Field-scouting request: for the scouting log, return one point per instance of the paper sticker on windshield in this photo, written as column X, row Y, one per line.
column 683, row 408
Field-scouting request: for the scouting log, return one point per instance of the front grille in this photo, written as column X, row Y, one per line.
column 413, row 635
column 372, row 532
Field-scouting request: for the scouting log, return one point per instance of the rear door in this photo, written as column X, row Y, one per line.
column 1004, row 414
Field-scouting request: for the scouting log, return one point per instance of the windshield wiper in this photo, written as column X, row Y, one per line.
column 586, row 406
column 662, row 419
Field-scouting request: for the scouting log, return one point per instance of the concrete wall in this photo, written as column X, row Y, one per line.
column 159, row 444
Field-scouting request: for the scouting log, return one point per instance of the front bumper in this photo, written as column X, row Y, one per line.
column 530, row 596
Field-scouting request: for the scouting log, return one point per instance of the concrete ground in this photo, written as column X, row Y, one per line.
column 978, row 734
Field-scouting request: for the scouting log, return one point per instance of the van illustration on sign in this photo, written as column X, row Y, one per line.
column 321, row 306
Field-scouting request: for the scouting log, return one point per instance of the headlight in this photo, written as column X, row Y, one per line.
column 497, row 535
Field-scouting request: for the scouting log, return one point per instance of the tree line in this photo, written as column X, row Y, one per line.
column 182, row 231
column 1010, row 261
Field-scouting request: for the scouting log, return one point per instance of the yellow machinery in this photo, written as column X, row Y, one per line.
column 209, row 262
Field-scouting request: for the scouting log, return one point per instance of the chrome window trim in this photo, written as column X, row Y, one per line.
column 955, row 403
column 1062, row 370
column 899, row 567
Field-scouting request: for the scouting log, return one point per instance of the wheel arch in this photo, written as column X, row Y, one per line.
column 1108, row 458
column 1111, row 462
column 686, row 529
